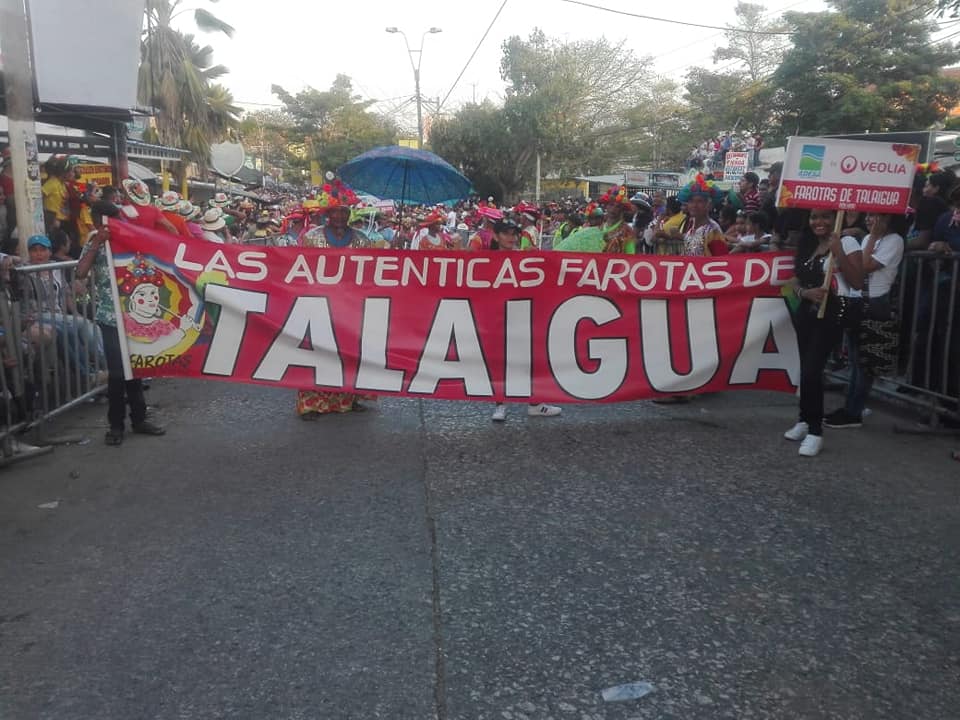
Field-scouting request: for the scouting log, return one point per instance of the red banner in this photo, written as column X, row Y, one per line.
column 537, row 327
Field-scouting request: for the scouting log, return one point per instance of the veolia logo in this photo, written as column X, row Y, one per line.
column 848, row 164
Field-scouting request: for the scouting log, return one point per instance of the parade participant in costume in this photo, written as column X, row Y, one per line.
column 589, row 238
column 506, row 237
column 214, row 226
column 230, row 216
column 169, row 204
column 529, row 234
column 563, row 227
column 701, row 234
column 431, row 235
column 817, row 337
column 313, row 216
column 643, row 215
column 120, row 392
column 261, row 229
column 618, row 235
column 405, row 234
column 363, row 219
column 292, row 228
column 387, row 225
column 593, row 215
column 140, row 210
column 572, row 222
column 335, row 201
column 658, row 204
column 483, row 238
column 191, row 214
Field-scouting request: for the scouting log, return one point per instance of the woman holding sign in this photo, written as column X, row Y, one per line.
column 872, row 344
column 818, row 333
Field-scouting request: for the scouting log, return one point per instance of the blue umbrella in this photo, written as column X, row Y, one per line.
column 404, row 174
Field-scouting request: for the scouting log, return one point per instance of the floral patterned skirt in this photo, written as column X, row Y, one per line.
column 321, row 403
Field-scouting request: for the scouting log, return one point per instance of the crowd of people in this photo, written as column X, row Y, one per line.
column 710, row 155
column 842, row 296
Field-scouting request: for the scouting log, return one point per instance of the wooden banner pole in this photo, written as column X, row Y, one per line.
column 828, row 277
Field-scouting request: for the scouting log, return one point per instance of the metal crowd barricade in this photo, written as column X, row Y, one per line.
column 929, row 336
column 53, row 354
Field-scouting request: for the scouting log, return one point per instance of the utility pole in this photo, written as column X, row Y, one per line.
column 416, row 74
column 18, row 84
column 537, row 191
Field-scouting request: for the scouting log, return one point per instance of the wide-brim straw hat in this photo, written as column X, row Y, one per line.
column 213, row 220
column 137, row 191
column 170, row 200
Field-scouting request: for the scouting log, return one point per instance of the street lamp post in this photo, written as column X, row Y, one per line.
column 416, row 74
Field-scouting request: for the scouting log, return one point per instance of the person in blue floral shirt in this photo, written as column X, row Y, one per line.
column 120, row 392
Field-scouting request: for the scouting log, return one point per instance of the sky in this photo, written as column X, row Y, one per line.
column 300, row 43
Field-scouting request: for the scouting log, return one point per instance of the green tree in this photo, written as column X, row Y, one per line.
column 567, row 98
column 948, row 6
column 272, row 136
column 659, row 132
column 482, row 143
column 748, row 43
column 869, row 65
column 336, row 124
column 176, row 78
column 191, row 110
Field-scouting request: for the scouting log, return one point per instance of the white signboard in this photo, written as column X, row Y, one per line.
column 86, row 53
column 847, row 175
column 734, row 166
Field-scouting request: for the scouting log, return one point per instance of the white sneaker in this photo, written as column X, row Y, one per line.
column 543, row 410
column 499, row 413
column 797, row 432
column 811, row 445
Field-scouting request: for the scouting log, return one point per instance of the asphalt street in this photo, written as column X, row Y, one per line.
column 418, row 561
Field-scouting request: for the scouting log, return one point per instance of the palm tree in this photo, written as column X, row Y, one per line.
column 176, row 78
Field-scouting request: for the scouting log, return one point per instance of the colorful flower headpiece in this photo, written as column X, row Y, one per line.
column 699, row 187
column 137, row 272
column 928, row 169
column 593, row 210
column 336, row 194
column 618, row 195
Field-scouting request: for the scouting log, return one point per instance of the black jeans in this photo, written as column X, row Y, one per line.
column 120, row 391
column 817, row 339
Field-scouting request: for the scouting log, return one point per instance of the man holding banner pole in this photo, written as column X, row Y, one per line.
column 828, row 177
column 96, row 259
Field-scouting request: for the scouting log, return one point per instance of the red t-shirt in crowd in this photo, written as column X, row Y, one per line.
column 176, row 219
column 6, row 182
column 147, row 216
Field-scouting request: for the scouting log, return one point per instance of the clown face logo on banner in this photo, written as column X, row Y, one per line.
column 162, row 315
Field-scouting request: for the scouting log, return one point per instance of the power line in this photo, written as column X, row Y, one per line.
column 717, row 34
column 676, row 22
column 470, row 60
